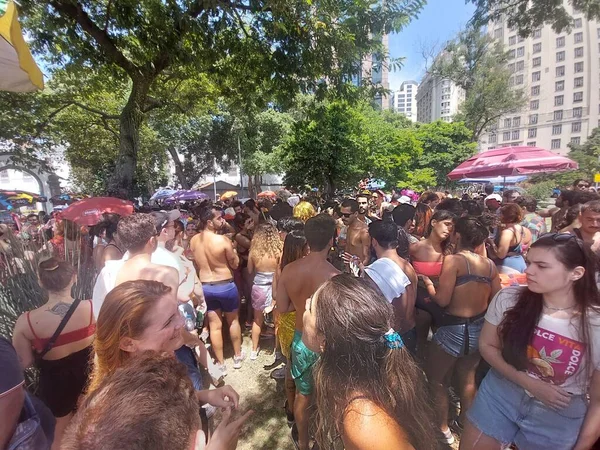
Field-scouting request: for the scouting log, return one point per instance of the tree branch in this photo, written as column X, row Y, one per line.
column 75, row 12
column 96, row 111
column 51, row 116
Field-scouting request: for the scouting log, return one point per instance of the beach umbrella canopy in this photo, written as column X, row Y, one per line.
column 89, row 210
column 186, row 196
column 512, row 161
column 228, row 194
column 267, row 194
column 161, row 194
column 19, row 72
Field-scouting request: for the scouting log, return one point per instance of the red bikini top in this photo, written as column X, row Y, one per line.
column 64, row 338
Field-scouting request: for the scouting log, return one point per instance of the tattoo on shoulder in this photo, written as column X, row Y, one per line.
column 60, row 309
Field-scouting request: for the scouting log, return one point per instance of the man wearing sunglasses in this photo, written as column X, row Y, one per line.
column 581, row 185
column 589, row 229
column 358, row 242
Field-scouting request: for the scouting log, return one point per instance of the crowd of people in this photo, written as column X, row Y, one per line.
column 397, row 322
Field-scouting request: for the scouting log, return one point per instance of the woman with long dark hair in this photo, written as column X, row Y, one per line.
column 369, row 391
column 511, row 242
column 466, row 285
column 427, row 257
column 542, row 342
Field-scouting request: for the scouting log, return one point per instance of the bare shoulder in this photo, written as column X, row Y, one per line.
column 367, row 426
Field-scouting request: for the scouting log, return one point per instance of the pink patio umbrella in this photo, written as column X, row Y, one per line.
column 512, row 161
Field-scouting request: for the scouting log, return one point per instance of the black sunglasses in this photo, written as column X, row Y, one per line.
column 346, row 215
column 583, row 185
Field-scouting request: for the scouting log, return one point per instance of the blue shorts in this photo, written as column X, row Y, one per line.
column 451, row 338
column 222, row 297
column 505, row 412
column 186, row 355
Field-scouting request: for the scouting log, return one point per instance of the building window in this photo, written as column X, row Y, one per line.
column 560, row 71
column 534, row 104
column 579, row 52
column 506, row 136
column 511, row 67
column 535, row 90
column 520, row 65
column 511, row 81
column 559, row 100
column 578, row 37
column 533, row 119
column 536, row 76
column 519, row 79
column 576, row 127
column 577, row 23
column 493, row 138
column 507, row 123
column 511, row 54
column 516, row 134
column 520, row 39
column 498, row 33
column 538, row 33
column 537, row 48
column 516, row 122
column 577, row 112
column 537, row 61
column 556, row 129
column 559, row 86
column 560, row 41
column 579, row 82
column 558, row 115
column 520, row 52
column 555, row 144
column 576, row 140
column 532, row 132
column 531, row 144
column 577, row 97
column 579, row 67
column 560, row 56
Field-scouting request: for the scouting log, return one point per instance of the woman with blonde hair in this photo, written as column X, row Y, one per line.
column 57, row 338
column 304, row 211
column 263, row 260
column 143, row 315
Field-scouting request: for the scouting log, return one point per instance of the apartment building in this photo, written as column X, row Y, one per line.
column 561, row 76
column 404, row 100
column 438, row 99
column 372, row 69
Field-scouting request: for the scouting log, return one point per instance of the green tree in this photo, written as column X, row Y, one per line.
column 445, row 146
column 243, row 47
column 528, row 15
column 477, row 63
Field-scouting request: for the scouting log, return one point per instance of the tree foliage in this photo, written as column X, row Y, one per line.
column 477, row 63
column 528, row 15
column 243, row 47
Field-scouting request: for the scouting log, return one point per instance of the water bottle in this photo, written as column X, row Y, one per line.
column 189, row 315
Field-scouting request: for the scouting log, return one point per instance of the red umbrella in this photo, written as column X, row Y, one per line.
column 264, row 194
column 511, row 161
column 89, row 210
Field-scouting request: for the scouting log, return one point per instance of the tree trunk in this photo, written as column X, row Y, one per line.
column 130, row 120
column 257, row 183
column 179, row 169
column 329, row 185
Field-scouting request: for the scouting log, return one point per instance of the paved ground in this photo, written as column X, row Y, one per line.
column 267, row 429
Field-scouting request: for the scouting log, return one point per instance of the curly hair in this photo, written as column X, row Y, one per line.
column 304, row 211
column 266, row 242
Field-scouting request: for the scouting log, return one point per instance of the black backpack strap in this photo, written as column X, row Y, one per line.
column 61, row 327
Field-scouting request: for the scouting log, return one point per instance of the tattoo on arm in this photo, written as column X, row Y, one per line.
column 60, row 309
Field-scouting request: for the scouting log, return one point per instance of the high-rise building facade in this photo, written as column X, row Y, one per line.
column 371, row 68
column 404, row 100
column 438, row 98
column 560, row 74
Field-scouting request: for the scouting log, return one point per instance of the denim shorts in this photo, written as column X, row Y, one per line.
column 504, row 411
column 451, row 338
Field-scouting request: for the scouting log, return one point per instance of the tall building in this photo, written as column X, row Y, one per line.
column 404, row 100
column 438, row 99
column 560, row 74
column 378, row 73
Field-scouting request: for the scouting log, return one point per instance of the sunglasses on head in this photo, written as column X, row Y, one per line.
column 563, row 237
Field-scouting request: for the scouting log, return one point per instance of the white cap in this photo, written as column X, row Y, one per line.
column 493, row 197
column 405, row 199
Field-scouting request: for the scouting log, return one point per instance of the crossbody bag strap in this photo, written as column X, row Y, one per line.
column 61, row 327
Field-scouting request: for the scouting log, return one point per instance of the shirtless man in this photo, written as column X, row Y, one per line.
column 398, row 283
column 363, row 208
column 216, row 259
column 589, row 229
column 358, row 241
column 298, row 282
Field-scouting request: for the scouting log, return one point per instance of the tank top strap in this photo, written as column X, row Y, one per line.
column 91, row 312
column 31, row 326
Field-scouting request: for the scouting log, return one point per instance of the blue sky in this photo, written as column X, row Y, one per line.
column 439, row 21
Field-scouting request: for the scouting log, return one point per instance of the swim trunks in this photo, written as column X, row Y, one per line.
column 303, row 360
column 223, row 296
